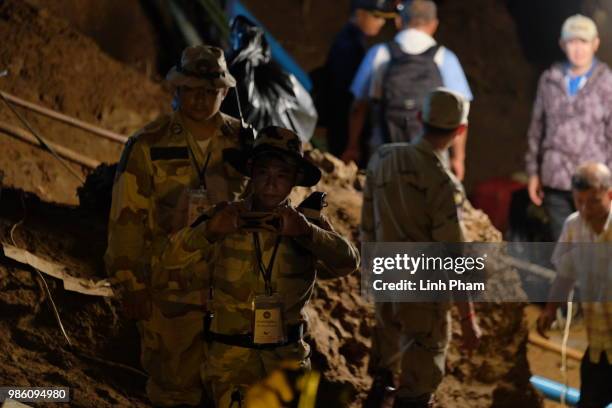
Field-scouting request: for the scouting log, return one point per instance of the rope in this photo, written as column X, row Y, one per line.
column 41, row 140
column 55, row 312
column 124, row 367
column 566, row 331
column 71, row 347
column 62, row 151
column 42, row 278
column 69, row 120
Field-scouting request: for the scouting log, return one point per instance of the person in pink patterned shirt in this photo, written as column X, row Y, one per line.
column 571, row 121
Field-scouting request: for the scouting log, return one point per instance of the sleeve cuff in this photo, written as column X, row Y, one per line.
column 312, row 240
column 531, row 169
column 127, row 282
column 199, row 237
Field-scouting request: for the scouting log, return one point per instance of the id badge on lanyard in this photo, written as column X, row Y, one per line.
column 199, row 203
column 268, row 322
column 198, row 198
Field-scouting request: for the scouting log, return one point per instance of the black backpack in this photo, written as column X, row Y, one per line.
column 407, row 82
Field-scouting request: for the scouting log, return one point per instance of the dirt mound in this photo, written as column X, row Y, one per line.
column 54, row 65
column 340, row 319
column 34, row 353
column 101, row 365
column 123, row 30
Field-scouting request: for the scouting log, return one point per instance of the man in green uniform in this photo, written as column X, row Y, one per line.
column 412, row 196
column 260, row 280
column 170, row 172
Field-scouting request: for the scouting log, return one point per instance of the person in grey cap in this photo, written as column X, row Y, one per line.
column 412, row 196
column 170, row 172
column 571, row 121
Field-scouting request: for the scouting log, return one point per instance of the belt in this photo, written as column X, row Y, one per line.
column 295, row 333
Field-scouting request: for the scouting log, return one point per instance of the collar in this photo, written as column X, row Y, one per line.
column 588, row 74
column 217, row 122
column 414, row 41
column 353, row 28
column 606, row 227
column 424, row 145
column 557, row 72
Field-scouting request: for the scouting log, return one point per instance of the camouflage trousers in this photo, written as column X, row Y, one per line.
column 411, row 340
column 172, row 351
column 229, row 368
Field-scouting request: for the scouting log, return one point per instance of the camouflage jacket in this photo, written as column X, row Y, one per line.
column 149, row 194
column 230, row 265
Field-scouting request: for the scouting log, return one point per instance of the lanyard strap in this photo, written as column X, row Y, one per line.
column 192, row 145
column 201, row 172
column 266, row 273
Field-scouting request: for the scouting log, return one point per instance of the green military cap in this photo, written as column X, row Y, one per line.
column 201, row 66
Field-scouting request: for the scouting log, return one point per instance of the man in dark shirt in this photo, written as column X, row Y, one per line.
column 345, row 55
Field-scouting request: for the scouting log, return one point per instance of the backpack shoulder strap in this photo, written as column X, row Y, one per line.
column 432, row 51
column 395, row 50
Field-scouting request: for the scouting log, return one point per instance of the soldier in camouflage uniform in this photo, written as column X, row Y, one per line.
column 412, row 196
column 244, row 268
column 169, row 171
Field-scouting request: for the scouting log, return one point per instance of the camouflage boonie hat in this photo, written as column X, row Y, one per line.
column 280, row 141
column 201, row 66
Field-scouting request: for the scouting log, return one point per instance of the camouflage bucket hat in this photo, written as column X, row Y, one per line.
column 201, row 66
column 278, row 141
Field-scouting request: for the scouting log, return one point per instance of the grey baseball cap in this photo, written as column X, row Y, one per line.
column 579, row 26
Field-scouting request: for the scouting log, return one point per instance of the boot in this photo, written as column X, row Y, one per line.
column 382, row 393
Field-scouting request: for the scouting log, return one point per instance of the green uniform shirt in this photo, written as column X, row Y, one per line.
column 410, row 196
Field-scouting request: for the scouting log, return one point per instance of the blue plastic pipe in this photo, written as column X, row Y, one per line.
column 553, row 390
column 236, row 8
